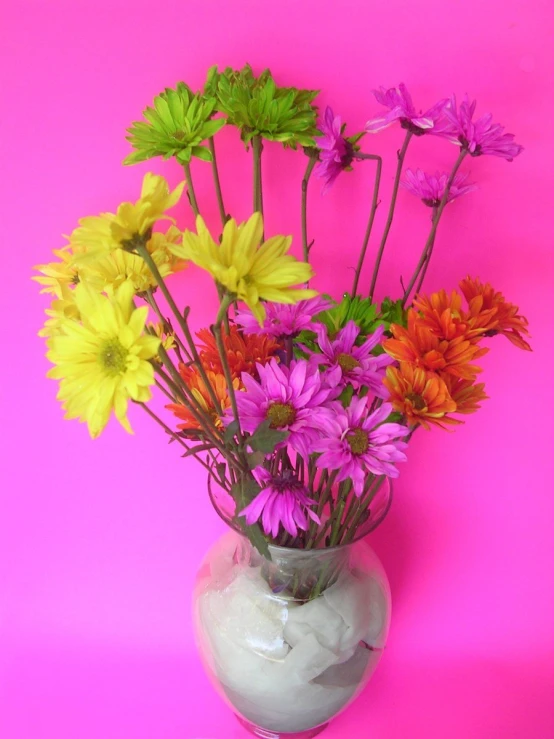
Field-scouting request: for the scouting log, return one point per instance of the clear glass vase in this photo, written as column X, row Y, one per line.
column 290, row 642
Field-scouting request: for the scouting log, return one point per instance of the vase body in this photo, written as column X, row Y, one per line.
column 289, row 642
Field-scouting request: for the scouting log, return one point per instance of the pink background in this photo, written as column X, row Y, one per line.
column 99, row 542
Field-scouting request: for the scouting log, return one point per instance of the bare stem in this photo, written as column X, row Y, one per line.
column 258, row 206
column 431, row 238
column 427, row 258
column 190, row 189
column 305, row 180
column 217, row 183
column 388, row 224
column 222, row 313
column 373, row 211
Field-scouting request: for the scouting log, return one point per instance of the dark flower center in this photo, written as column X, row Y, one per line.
column 280, row 415
column 348, row 156
column 417, row 401
column 465, row 145
column 490, row 332
column 431, row 202
column 347, row 362
column 358, row 441
column 411, row 127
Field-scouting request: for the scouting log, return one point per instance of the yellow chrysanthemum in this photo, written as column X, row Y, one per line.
column 107, row 232
column 164, row 334
column 250, row 271
column 62, row 309
column 102, row 360
column 55, row 275
column 114, row 268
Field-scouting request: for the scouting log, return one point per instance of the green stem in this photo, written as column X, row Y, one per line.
column 388, row 224
column 258, row 206
column 364, row 505
column 432, row 233
column 221, row 314
column 373, row 211
column 190, row 189
column 151, row 300
column 305, row 180
column 217, row 183
column 427, row 258
column 145, row 254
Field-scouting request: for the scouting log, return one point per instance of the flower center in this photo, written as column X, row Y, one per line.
column 358, row 441
column 416, row 400
column 280, row 415
column 347, row 362
column 113, row 357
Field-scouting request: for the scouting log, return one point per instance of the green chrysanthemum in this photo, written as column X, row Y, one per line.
column 258, row 107
column 175, row 127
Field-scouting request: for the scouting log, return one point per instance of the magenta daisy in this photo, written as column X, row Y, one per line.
column 430, row 187
column 401, row 108
column 282, row 500
column 358, row 442
column 349, row 364
column 290, row 398
column 336, row 153
column 284, row 320
column 478, row 137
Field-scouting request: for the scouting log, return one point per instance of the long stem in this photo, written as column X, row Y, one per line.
column 223, row 308
column 388, row 224
column 258, row 205
column 373, row 211
column 145, row 254
column 151, row 300
column 217, row 183
column 427, row 259
column 190, row 189
column 305, row 180
column 432, row 233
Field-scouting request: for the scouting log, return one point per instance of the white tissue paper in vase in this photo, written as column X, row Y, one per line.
column 288, row 667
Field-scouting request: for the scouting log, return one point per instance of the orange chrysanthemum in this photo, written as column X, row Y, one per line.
column 198, row 388
column 420, row 395
column 466, row 394
column 502, row 317
column 243, row 351
column 443, row 315
column 418, row 345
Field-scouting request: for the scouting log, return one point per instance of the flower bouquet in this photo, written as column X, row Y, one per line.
column 299, row 406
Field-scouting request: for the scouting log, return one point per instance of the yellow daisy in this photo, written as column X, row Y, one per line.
column 57, row 274
column 250, row 271
column 62, row 309
column 102, row 360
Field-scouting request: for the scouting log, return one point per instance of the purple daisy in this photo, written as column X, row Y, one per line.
column 282, row 500
column 430, row 187
column 349, row 364
column 481, row 136
column 336, row 153
column 358, row 443
column 283, row 319
column 290, row 398
column 401, row 108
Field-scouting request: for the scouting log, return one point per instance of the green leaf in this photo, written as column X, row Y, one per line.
column 202, row 152
column 230, row 432
column 265, row 439
column 256, row 459
column 196, row 449
column 243, row 493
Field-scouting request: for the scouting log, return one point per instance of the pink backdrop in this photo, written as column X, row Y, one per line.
column 99, row 542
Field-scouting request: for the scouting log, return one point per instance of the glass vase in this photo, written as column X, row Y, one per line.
column 290, row 642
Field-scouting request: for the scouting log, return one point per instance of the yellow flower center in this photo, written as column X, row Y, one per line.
column 347, row 362
column 113, row 357
column 280, row 415
column 358, row 441
column 417, row 401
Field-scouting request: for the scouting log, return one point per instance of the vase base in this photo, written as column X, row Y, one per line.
column 267, row 734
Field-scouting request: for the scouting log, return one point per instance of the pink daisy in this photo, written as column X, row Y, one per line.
column 401, row 108
column 349, row 364
column 282, row 500
column 430, row 188
column 290, row 398
column 283, row 319
column 479, row 137
column 336, row 153
column 357, row 443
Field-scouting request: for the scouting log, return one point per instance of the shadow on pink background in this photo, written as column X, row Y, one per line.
column 99, row 542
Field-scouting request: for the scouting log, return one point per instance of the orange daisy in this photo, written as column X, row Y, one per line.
column 502, row 317
column 466, row 394
column 243, row 351
column 420, row 395
column 196, row 385
column 443, row 315
column 418, row 345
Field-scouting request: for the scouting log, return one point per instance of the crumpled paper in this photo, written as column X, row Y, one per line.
column 288, row 667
